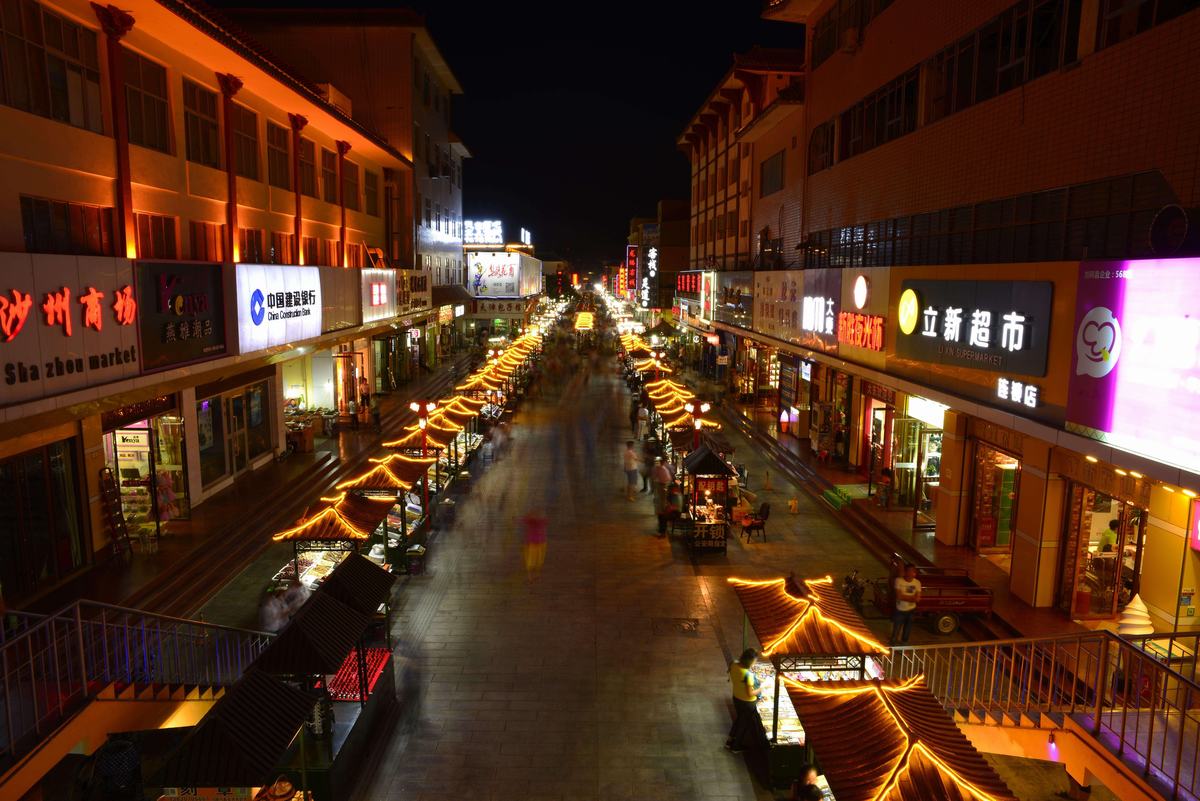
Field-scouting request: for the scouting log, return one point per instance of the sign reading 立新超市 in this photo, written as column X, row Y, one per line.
column 1000, row 326
column 66, row 323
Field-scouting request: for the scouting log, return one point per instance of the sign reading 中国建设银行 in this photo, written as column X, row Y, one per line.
column 1000, row 326
column 277, row 305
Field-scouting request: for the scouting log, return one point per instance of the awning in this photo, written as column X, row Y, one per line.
column 242, row 739
column 703, row 462
column 348, row 517
column 316, row 640
column 359, row 583
column 451, row 295
column 816, row 623
column 891, row 741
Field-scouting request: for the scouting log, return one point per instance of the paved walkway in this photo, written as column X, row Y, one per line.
column 605, row 677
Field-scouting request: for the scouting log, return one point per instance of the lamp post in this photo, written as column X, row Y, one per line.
column 423, row 411
column 697, row 423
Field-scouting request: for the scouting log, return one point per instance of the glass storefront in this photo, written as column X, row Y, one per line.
column 232, row 430
column 41, row 530
column 994, row 504
column 147, row 461
column 917, row 458
column 1101, row 554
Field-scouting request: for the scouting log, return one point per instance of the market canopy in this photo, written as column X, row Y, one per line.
column 814, row 622
column 685, row 420
column 663, row 329
column 379, row 477
column 914, row 751
column 347, row 517
column 584, row 321
column 316, row 641
column 651, row 366
column 433, row 438
column 408, row 468
column 703, row 462
column 242, row 739
column 359, row 583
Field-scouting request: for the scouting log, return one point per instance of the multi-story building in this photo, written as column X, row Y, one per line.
column 727, row 175
column 989, row 205
column 196, row 246
column 402, row 87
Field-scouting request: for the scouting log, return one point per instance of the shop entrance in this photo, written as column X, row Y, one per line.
column 235, row 443
column 1101, row 555
column 876, row 438
column 146, row 458
column 917, row 468
column 994, row 504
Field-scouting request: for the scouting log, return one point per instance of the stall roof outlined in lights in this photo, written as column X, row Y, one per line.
column 914, row 751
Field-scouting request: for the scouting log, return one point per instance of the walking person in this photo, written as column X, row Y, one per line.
column 646, row 465
column 535, row 544
column 886, row 478
column 747, row 729
column 364, row 397
column 660, row 477
column 908, row 592
column 643, row 420
column 631, row 460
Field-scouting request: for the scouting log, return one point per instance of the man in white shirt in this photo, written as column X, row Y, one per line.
column 631, row 460
column 908, row 592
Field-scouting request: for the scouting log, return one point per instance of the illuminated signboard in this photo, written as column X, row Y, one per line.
column 687, row 285
column 631, row 268
column 183, row 317
column 378, row 294
column 649, row 288
column 277, row 305
column 708, row 291
column 494, row 274
column 1019, row 392
column 526, row 237
column 1135, row 376
column 819, row 308
column 860, row 330
column 735, row 298
column 1002, row 326
column 483, row 232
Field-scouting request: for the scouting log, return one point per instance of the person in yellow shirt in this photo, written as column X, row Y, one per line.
column 747, row 729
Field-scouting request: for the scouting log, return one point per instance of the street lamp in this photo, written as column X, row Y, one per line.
column 423, row 411
column 697, row 423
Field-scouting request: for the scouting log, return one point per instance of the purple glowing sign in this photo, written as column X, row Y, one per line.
column 1194, row 531
column 1135, row 378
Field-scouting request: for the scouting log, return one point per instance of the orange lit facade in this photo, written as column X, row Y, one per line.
column 171, row 193
column 1042, row 146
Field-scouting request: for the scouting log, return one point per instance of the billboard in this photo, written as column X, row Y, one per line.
column 503, row 274
column 182, row 316
column 378, row 295
column 1135, row 371
column 483, row 232
column 276, row 305
column 734, row 302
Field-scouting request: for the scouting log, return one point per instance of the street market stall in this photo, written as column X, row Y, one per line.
column 707, row 481
column 808, row 631
column 322, row 539
column 915, row 752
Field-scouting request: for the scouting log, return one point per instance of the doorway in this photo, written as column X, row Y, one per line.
column 236, row 445
column 1102, row 554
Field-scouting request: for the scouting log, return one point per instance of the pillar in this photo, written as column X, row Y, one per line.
column 116, row 23
column 230, row 86
column 298, row 123
column 953, row 497
column 342, row 149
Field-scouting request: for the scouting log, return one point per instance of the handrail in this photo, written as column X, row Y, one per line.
column 1125, row 692
column 63, row 661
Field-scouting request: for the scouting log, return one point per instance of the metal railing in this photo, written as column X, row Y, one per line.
column 1129, row 693
column 50, row 668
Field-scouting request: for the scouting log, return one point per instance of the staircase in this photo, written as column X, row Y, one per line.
column 57, row 664
column 1135, row 699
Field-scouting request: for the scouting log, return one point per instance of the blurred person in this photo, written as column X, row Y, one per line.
column 646, row 465
column 660, row 477
column 376, row 414
column 272, row 612
column 643, row 420
column 747, row 729
column 633, row 416
column 295, row 596
column 630, row 462
column 534, row 524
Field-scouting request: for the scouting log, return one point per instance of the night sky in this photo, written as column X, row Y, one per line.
column 571, row 111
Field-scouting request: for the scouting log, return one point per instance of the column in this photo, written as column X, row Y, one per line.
column 115, row 24
column 298, row 123
column 342, row 149
column 230, row 86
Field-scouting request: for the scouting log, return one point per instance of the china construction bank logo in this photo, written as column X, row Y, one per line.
column 258, row 307
column 1097, row 343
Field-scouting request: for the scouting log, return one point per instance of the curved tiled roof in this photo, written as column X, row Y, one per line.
column 408, row 468
column 348, row 517
column 915, row 751
column 359, row 583
column 432, row 438
column 819, row 623
column 378, row 477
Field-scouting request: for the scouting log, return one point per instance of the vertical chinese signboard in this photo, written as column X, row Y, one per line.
column 631, row 268
column 66, row 323
column 182, row 314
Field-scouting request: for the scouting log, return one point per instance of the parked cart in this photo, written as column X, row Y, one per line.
column 946, row 594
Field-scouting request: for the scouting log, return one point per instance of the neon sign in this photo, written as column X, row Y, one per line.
column 860, row 330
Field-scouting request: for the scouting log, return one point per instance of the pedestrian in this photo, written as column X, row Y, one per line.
column 377, row 414
column 800, row 787
column 646, row 465
column 535, row 544
column 643, row 420
column 364, row 397
column 886, row 477
column 747, row 729
column 272, row 612
column 631, row 460
column 908, row 592
column 660, row 476
column 633, row 416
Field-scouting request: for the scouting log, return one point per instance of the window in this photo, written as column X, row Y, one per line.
column 770, row 175
column 350, row 184
column 146, row 103
column 202, row 133
column 258, row 418
column 311, row 253
column 1123, row 19
column 884, row 115
column 308, row 167
column 820, row 148
column 371, row 193
column 155, row 236
column 40, row 511
column 428, row 213
column 49, row 66
column 55, row 226
column 354, row 255
column 250, row 246
column 210, row 423
column 245, row 142
column 207, row 241
column 329, row 175
column 283, row 248
column 329, row 253
column 279, row 156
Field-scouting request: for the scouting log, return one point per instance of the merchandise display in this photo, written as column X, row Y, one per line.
column 343, row 685
column 314, row 567
column 790, row 731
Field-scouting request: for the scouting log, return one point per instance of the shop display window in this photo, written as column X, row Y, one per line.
column 210, row 434
column 258, row 419
column 147, row 460
column 1101, row 555
column 994, row 502
column 41, row 535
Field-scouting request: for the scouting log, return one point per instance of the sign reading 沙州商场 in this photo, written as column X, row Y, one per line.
column 277, row 305
column 1001, row 326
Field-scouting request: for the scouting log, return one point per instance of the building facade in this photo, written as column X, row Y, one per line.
column 203, row 257
column 979, row 246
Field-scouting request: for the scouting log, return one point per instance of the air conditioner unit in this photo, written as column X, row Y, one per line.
column 850, row 39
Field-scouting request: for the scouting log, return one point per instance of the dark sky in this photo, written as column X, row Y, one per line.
column 571, row 112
